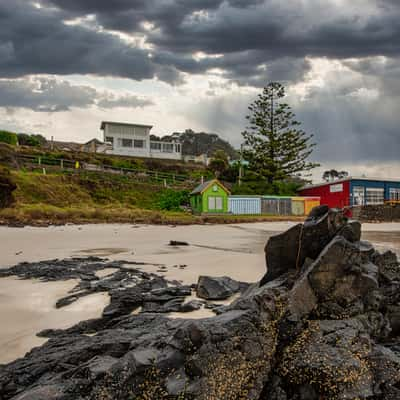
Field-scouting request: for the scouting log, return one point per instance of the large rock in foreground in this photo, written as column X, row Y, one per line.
column 289, row 250
column 325, row 329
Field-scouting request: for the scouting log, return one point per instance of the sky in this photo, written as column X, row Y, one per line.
column 66, row 65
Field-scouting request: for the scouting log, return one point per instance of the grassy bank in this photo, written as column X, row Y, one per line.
column 98, row 198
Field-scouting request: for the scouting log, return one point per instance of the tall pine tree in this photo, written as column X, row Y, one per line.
column 275, row 146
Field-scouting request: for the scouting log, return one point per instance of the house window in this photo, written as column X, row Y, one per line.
column 126, row 142
column 168, row 148
column 139, row 144
column 177, row 147
column 394, row 194
column 215, row 203
column 110, row 139
column 375, row 196
column 155, row 146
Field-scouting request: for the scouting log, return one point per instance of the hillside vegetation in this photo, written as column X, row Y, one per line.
column 100, row 198
column 42, row 194
column 61, row 198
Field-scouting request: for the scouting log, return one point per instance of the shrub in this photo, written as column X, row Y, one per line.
column 31, row 140
column 172, row 200
column 8, row 137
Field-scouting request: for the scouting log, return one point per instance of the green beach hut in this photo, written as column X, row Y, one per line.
column 210, row 197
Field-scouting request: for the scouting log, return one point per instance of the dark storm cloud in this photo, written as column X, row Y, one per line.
column 35, row 41
column 253, row 32
column 249, row 35
column 127, row 15
column 51, row 95
column 278, row 28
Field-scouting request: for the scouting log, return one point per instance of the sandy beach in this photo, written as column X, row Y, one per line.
column 26, row 307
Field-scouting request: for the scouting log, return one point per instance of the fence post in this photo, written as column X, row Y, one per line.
column 62, row 164
column 165, row 182
column 173, row 178
column 40, row 160
column 44, row 171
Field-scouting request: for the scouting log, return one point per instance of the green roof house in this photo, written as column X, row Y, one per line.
column 210, row 197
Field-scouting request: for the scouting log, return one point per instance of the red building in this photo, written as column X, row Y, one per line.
column 354, row 191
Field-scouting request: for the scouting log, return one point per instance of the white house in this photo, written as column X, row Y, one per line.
column 134, row 140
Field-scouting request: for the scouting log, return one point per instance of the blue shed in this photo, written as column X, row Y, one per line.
column 244, row 205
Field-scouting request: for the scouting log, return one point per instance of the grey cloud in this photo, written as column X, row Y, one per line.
column 50, row 95
column 253, row 32
column 112, row 101
column 37, row 42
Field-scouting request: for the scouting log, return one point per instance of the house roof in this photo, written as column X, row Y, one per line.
column 205, row 185
column 103, row 124
column 94, row 140
column 349, row 178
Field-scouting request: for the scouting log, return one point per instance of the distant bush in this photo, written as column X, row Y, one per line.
column 173, row 200
column 31, row 140
column 121, row 163
column 8, row 137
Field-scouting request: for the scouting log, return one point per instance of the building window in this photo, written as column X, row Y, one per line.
column 394, row 194
column 358, row 196
column 215, row 203
column 375, row 195
column 177, row 147
column 126, row 142
column 168, row 148
column 155, row 146
column 139, row 144
column 110, row 139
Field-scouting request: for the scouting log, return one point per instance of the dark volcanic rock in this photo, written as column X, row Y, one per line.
column 216, row 288
column 191, row 306
column 178, row 243
column 289, row 250
column 327, row 327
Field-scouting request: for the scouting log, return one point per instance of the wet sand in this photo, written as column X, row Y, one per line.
column 26, row 307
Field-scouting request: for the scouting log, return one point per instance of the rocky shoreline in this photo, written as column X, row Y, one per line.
column 323, row 323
